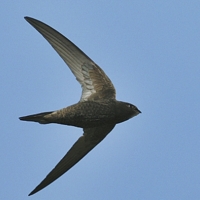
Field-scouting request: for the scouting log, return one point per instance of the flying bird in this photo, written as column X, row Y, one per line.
column 97, row 112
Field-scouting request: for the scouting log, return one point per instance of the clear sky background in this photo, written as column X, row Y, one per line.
column 151, row 52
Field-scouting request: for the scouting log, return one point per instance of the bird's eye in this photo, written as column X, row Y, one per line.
column 129, row 105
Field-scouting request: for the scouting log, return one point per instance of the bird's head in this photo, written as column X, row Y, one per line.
column 126, row 111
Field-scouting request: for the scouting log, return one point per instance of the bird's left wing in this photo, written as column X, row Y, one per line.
column 95, row 83
column 90, row 138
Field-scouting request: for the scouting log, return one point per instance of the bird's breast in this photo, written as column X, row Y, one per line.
column 88, row 114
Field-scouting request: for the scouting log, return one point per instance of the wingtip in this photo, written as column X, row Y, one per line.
column 26, row 18
column 32, row 193
column 37, row 189
column 29, row 19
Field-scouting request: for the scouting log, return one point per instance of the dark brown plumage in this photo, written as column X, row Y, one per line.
column 97, row 112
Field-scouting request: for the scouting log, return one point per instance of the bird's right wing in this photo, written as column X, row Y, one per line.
column 90, row 138
column 94, row 82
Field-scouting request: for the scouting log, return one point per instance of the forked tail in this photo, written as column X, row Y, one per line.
column 40, row 118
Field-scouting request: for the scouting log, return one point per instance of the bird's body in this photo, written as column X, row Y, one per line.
column 86, row 114
column 97, row 112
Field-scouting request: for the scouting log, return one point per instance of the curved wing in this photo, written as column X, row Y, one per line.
column 90, row 138
column 95, row 83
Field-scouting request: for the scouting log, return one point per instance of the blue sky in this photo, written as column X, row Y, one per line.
column 150, row 50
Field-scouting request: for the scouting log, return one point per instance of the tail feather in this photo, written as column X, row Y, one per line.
column 40, row 117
